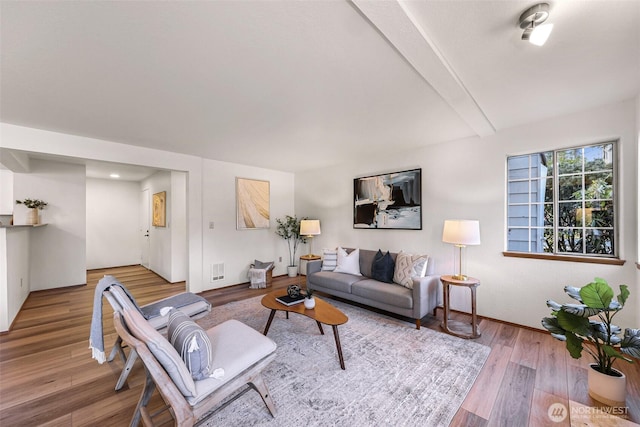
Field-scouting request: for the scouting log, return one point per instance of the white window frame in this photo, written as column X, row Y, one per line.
column 555, row 254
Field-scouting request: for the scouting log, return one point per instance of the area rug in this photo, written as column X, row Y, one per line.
column 395, row 375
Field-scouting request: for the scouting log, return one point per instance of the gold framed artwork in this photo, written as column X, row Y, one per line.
column 252, row 200
column 158, row 218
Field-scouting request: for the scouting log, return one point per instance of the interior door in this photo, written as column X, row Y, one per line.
column 145, row 224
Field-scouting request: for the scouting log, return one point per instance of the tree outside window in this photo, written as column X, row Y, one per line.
column 562, row 201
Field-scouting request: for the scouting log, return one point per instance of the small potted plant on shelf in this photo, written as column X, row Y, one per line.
column 35, row 205
column 599, row 337
column 289, row 229
column 309, row 300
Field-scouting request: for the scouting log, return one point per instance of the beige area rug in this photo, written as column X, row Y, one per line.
column 395, row 375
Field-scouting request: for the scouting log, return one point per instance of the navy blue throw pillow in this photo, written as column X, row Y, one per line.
column 383, row 267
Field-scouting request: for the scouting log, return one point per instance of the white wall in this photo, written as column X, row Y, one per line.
column 239, row 248
column 179, row 247
column 14, row 271
column 466, row 179
column 113, row 237
column 40, row 141
column 6, row 192
column 57, row 251
column 637, row 322
column 224, row 243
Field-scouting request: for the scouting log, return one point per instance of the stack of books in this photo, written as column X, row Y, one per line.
column 287, row 300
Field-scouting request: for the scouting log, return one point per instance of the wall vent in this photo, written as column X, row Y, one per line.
column 217, row 272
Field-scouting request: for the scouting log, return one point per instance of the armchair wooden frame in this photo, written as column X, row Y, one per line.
column 118, row 348
column 184, row 413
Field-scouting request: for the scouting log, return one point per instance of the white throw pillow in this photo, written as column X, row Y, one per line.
column 329, row 259
column 348, row 263
column 409, row 266
column 420, row 266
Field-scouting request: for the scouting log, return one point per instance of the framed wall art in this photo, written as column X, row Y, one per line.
column 252, row 199
column 389, row 201
column 158, row 218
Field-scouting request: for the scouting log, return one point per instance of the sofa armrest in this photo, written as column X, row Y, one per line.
column 425, row 295
column 314, row 266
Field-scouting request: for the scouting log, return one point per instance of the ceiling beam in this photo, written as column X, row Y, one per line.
column 396, row 23
column 14, row 161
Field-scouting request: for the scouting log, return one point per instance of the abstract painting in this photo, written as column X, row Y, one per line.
column 252, row 198
column 391, row 201
column 159, row 209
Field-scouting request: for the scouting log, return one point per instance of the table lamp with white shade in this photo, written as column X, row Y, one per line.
column 461, row 233
column 308, row 229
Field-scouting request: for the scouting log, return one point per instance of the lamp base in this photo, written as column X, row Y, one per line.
column 460, row 277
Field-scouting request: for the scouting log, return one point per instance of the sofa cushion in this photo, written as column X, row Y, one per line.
column 382, row 267
column 191, row 342
column 336, row 281
column 409, row 266
column 329, row 259
column 397, row 296
column 238, row 347
column 348, row 263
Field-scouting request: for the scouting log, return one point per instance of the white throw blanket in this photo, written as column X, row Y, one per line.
column 258, row 278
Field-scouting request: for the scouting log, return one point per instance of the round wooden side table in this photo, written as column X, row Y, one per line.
column 454, row 327
column 304, row 259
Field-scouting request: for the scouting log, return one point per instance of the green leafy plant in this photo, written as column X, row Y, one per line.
column 576, row 324
column 32, row 203
column 289, row 229
column 308, row 293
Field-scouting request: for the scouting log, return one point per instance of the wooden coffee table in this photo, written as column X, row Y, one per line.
column 322, row 313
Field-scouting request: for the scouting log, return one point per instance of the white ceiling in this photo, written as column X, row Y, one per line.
column 268, row 83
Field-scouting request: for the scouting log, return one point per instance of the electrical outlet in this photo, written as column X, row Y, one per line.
column 210, row 225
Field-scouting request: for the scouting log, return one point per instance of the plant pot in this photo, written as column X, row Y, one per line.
column 309, row 303
column 33, row 217
column 292, row 271
column 608, row 389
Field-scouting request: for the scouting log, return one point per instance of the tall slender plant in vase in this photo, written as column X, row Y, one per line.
column 588, row 326
column 289, row 229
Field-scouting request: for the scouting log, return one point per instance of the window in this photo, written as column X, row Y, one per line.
column 563, row 202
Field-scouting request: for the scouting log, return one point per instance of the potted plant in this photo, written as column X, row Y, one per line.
column 309, row 300
column 34, row 205
column 589, row 326
column 289, row 229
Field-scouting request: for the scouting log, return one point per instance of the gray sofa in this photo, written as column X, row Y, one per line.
column 414, row 303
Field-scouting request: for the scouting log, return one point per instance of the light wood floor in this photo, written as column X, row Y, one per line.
column 47, row 375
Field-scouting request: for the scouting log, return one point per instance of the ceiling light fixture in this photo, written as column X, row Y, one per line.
column 114, row 175
column 531, row 22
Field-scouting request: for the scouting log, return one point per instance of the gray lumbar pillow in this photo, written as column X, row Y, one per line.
column 192, row 343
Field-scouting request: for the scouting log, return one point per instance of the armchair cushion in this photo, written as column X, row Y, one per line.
column 192, row 343
column 238, row 347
